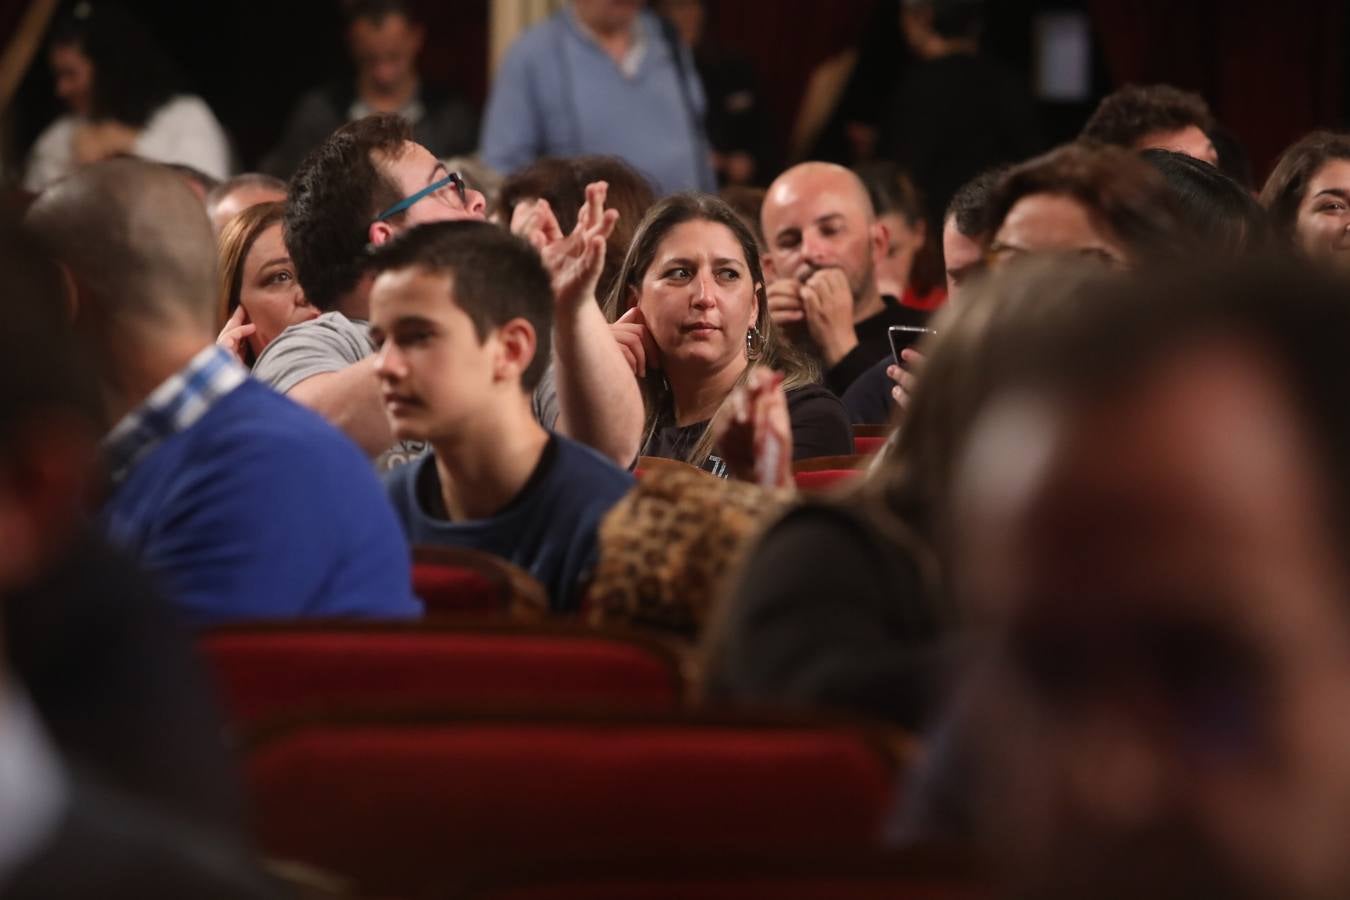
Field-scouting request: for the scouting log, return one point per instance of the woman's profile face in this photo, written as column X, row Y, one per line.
column 1322, row 228
column 1054, row 223
column 73, row 73
column 269, row 291
column 698, row 296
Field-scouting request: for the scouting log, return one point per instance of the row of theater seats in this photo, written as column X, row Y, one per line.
column 457, row 759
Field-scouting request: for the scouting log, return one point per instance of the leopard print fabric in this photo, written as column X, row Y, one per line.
column 667, row 548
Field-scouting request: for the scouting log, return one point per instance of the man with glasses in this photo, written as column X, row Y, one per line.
column 369, row 182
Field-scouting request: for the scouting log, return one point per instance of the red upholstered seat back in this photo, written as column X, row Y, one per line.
column 394, row 806
column 268, row 671
column 447, row 589
column 866, row 445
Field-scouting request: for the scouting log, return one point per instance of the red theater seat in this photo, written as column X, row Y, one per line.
column 868, row 439
column 270, row 670
column 452, row 580
column 400, row 805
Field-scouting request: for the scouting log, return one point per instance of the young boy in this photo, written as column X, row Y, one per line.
column 461, row 313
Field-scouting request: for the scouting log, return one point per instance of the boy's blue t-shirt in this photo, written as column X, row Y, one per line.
column 262, row 510
column 549, row 529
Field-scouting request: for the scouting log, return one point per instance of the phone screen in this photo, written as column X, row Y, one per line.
column 903, row 336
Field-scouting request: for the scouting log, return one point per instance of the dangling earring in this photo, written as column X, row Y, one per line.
column 754, row 344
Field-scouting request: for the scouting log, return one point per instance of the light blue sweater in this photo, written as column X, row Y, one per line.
column 557, row 93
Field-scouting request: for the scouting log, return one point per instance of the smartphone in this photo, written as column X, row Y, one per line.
column 903, row 336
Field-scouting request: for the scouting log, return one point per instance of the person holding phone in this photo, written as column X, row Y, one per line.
column 722, row 391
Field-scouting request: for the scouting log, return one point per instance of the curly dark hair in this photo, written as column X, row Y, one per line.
column 331, row 200
column 133, row 76
column 1135, row 111
column 1288, row 182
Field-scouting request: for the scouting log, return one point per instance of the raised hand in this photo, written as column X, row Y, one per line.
column 574, row 261
column 754, row 434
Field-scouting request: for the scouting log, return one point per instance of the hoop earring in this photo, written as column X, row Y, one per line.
column 754, row 344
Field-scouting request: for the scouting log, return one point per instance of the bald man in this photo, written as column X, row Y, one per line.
column 823, row 238
column 241, row 503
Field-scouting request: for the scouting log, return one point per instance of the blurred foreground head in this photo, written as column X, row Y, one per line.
column 1151, row 524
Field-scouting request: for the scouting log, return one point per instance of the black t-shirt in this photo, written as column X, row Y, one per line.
column 820, row 427
column 868, row 400
column 874, row 343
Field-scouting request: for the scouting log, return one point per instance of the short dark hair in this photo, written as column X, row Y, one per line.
column 1219, row 213
column 1134, row 111
column 1116, row 185
column 331, row 201
column 133, row 76
column 496, row 277
column 1288, row 182
column 969, row 206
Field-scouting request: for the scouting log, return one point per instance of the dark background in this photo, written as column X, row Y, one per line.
column 1270, row 71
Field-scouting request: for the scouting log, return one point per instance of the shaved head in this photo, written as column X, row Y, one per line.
column 137, row 240
column 818, row 215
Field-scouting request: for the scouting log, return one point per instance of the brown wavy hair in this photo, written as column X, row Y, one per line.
column 775, row 353
column 1288, row 182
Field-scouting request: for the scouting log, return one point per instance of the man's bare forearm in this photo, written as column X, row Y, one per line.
column 350, row 400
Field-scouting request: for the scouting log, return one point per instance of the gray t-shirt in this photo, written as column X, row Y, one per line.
column 330, row 343
column 545, row 399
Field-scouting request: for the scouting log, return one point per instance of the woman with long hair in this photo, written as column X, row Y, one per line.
column 690, row 311
column 259, row 296
column 124, row 96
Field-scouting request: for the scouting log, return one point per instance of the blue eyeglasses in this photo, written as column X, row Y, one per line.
column 406, row 203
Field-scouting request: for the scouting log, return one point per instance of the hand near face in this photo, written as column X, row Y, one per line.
column 636, row 342
column 93, row 141
column 573, row 262
column 785, row 302
column 235, row 334
column 827, row 302
column 753, row 435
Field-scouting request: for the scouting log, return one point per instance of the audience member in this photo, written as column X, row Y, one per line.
column 367, row 182
column 201, row 183
column 223, row 490
column 955, row 113
column 384, row 40
column 839, row 603
column 234, row 195
column 1157, row 117
column 824, row 241
column 909, row 268
column 1308, row 197
column 1149, row 525
column 462, row 314
column 99, row 655
column 124, row 97
column 1223, row 217
column 692, row 315
column 601, row 76
column 1090, row 200
column 875, row 395
column 259, row 295
column 736, row 120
